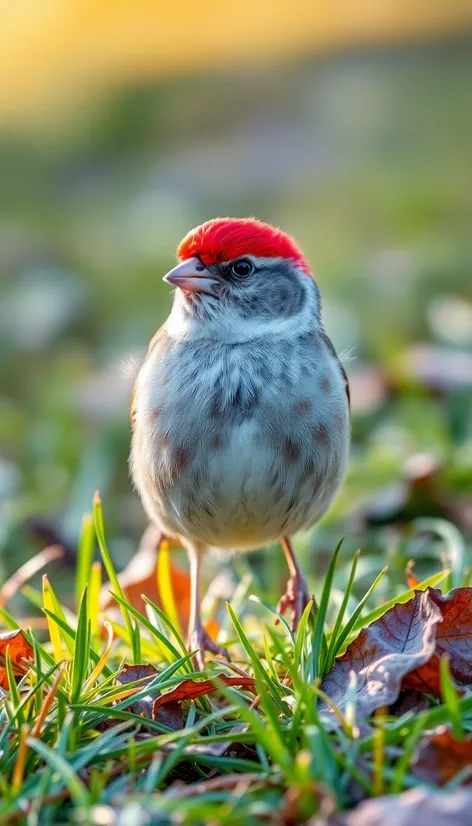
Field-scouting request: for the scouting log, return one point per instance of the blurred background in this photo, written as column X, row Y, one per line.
column 122, row 125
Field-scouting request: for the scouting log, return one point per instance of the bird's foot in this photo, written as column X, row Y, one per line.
column 201, row 640
column 296, row 597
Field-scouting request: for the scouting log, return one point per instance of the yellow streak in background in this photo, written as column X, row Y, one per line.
column 164, row 586
column 56, row 53
column 54, row 630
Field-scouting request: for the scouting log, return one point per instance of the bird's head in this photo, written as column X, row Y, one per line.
column 240, row 278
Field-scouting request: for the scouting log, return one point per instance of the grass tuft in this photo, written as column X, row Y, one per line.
column 73, row 735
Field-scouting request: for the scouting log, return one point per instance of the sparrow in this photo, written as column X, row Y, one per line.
column 240, row 411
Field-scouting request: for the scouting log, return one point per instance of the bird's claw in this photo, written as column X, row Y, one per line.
column 296, row 597
column 200, row 641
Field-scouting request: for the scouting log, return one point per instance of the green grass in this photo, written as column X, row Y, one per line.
column 70, row 741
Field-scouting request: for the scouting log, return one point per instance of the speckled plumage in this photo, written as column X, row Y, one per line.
column 236, row 444
column 241, row 409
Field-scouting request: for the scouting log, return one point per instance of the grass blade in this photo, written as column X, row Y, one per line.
column 109, row 567
column 81, row 658
column 340, row 616
column 320, row 648
column 451, row 698
column 50, row 602
column 84, row 556
column 77, row 789
column 165, row 643
column 430, row 582
column 352, row 623
column 93, row 597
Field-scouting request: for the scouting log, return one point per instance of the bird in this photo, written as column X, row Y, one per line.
column 240, row 412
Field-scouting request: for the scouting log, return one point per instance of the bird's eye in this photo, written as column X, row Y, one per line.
column 242, row 268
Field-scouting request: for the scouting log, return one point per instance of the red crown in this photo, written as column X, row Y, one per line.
column 223, row 239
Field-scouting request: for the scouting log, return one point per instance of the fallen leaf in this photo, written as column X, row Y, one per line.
column 383, row 653
column 212, row 628
column 131, row 673
column 416, row 807
column 408, row 702
column 169, row 715
column 191, row 689
column 440, row 757
column 453, row 639
column 21, row 653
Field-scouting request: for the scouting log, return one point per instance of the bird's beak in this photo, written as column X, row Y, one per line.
column 192, row 277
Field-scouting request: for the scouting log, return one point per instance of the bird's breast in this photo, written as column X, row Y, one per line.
column 234, row 445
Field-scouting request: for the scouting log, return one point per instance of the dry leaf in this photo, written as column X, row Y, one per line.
column 440, row 757
column 410, row 702
column 169, row 715
column 21, row 652
column 191, row 689
column 416, row 807
column 383, row 653
column 131, row 673
column 453, row 639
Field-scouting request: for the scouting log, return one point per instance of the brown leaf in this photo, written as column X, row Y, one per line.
column 170, row 715
column 21, row 652
column 416, row 807
column 131, row 673
column 408, row 702
column 453, row 639
column 166, row 709
column 440, row 757
column 383, row 653
column 191, row 689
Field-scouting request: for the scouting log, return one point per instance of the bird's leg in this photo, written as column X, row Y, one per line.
column 197, row 636
column 297, row 595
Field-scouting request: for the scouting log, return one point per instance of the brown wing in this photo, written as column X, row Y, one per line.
column 161, row 333
column 330, row 346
